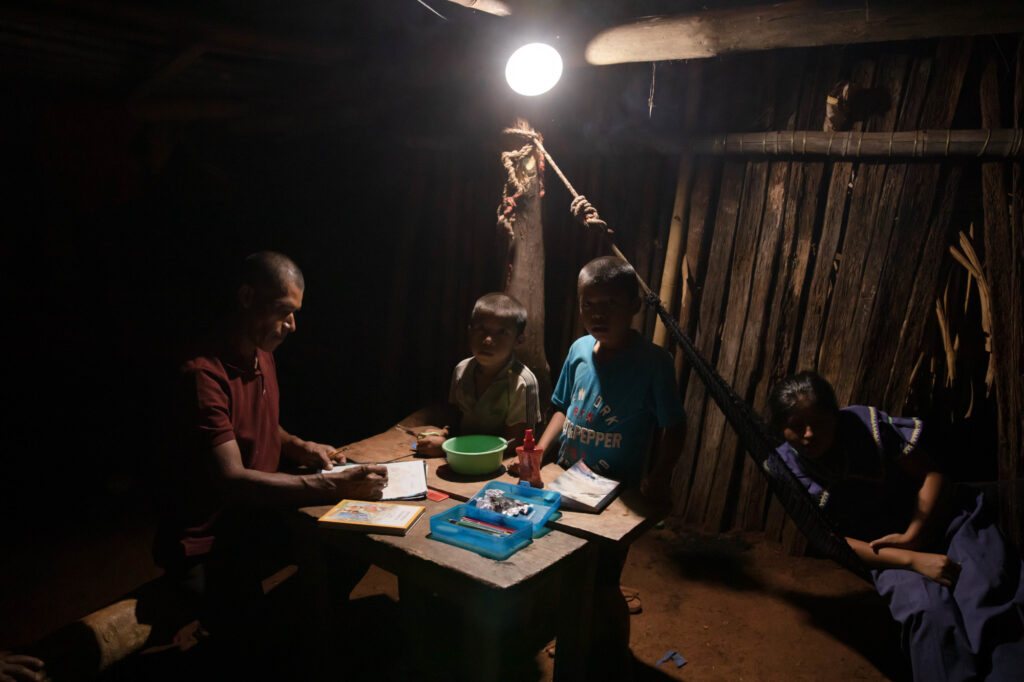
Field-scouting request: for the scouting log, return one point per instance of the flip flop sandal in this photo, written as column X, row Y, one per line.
column 632, row 597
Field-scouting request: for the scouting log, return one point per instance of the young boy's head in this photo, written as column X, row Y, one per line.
column 609, row 298
column 496, row 327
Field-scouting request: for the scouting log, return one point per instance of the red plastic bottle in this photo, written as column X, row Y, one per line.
column 529, row 461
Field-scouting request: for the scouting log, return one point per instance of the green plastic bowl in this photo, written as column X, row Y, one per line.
column 474, row 455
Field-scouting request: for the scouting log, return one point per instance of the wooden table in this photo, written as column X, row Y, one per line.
column 560, row 564
column 621, row 522
column 483, row 591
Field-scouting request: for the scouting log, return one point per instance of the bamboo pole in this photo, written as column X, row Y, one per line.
column 670, row 276
column 675, row 250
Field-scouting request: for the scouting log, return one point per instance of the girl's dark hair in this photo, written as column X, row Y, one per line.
column 805, row 387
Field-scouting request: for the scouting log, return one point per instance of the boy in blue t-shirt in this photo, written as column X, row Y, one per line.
column 615, row 388
column 616, row 393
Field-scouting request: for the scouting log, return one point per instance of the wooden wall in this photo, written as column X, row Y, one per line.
column 837, row 265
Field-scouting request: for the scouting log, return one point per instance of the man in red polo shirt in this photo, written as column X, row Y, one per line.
column 225, row 531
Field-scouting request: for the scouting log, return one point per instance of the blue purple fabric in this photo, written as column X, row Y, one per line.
column 974, row 630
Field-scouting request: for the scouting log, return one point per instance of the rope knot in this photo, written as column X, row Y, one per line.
column 587, row 215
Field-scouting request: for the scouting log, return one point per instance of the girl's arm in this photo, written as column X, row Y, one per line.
column 937, row 567
column 930, row 506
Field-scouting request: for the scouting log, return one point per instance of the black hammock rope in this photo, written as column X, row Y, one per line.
column 753, row 433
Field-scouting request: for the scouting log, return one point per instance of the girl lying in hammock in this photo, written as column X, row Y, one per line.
column 938, row 559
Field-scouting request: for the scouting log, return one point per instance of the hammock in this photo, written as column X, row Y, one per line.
column 753, row 433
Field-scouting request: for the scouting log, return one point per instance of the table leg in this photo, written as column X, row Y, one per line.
column 483, row 618
column 575, row 615
column 414, row 607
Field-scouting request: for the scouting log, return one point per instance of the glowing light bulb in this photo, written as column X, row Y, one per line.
column 533, row 69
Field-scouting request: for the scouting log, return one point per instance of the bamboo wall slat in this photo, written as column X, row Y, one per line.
column 731, row 337
column 916, row 245
column 693, row 499
column 747, row 495
column 892, row 196
column 801, row 221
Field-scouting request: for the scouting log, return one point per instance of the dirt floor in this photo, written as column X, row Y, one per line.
column 735, row 608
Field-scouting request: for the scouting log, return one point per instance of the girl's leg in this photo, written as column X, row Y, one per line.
column 990, row 592
column 932, row 631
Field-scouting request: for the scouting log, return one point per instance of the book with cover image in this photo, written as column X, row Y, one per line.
column 406, row 480
column 584, row 490
column 372, row 517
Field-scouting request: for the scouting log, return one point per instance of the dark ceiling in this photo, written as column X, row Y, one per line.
column 348, row 60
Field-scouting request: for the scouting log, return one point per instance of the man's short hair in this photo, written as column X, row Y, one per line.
column 271, row 272
column 609, row 270
column 503, row 307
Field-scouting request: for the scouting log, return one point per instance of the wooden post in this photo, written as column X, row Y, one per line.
column 526, row 262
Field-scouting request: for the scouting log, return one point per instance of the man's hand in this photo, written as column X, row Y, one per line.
column 938, row 567
column 359, row 483
column 17, row 667
column 316, row 455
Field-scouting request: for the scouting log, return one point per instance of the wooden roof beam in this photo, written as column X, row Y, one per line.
column 799, row 23
column 495, row 7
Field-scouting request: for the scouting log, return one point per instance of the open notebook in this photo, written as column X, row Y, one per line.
column 406, row 480
column 583, row 489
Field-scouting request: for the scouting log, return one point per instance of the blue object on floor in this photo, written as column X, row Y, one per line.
column 673, row 656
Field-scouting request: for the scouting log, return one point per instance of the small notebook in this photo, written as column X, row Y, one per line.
column 372, row 517
column 583, row 490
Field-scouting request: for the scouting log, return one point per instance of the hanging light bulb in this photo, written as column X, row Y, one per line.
column 533, row 69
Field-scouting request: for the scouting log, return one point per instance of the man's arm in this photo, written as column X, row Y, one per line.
column 307, row 452
column 263, row 488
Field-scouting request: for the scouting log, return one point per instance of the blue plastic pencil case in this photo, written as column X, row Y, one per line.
column 445, row 527
column 545, row 503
